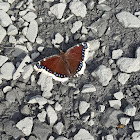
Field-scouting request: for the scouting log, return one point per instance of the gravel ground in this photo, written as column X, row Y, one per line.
column 101, row 104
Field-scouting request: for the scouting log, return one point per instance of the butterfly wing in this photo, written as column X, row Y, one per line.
column 54, row 66
column 75, row 58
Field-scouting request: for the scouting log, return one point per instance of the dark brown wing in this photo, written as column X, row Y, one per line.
column 74, row 57
column 55, row 65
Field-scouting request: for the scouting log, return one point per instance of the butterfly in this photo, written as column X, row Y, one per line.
column 65, row 65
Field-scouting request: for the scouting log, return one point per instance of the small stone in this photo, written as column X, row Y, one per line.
column 52, row 115
column 12, row 39
column 90, row 4
column 103, row 7
column 136, row 135
column 83, row 135
column 138, row 53
column 128, row 20
column 4, row 6
column 47, row 94
column 101, row 108
column 84, row 30
column 40, row 48
column 51, row 138
column 119, row 95
column 83, row 106
column 39, row 40
column 7, row 71
column 24, row 31
column 27, row 71
column 25, row 125
column 128, row 65
column 88, row 88
column 38, row 99
column 115, row 104
column 91, row 122
column 124, row 120
column 4, row 19
column 10, row 97
column 30, row 16
column 117, row 54
column 109, row 137
column 2, row 33
column 3, row 59
column 25, row 110
column 19, row 4
column 58, row 10
column 76, row 26
column 104, row 74
column 130, row 110
column 35, row 55
column 7, row 88
column 12, row 30
column 32, row 31
column 78, row 8
column 62, row 138
column 29, row 46
column 58, row 107
column 59, row 128
column 42, row 116
column 136, row 125
column 123, row 78
column 58, row 39
column 11, row 1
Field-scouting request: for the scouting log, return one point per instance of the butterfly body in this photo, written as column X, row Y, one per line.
column 65, row 65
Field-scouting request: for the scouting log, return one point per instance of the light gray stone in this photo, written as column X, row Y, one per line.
column 115, row 104
column 4, row 6
column 59, row 128
column 7, row 70
column 3, row 59
column 138, row 53
column 78, row 8
column 58, row 10
column 5, row 20
column 2, row 33
column 83, row 135
column 123, row 78
column 7, row 88
column 25, row 125
column 128, row 65
column 87, row 88
column 62, row 138
column 58, row 39
column 117, row 54
column 32, row 31
column 109, row 137
column 42, row 116
column 83, row 106
column 76, row 26
column 130, row 110
column 136, row 136
column 118, row 95
column 128, row 20
column 30, row 16
column 12, row 30
column 136, row 125
column 124, row 120
column 27, row 71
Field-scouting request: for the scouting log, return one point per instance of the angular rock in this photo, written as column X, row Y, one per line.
column 27, row 71
column 42, row 116
column 58, row 39
column 4, row 6
column 83, row 106
column 76, row 26
column 104, row 74
column 5, row 20
column 123, row 78
column 25, row 125
column 58, row 10
column 11, row 97
column 88, row 88
column 2, row 33
column 115, row 104
column 136, row 135
column 130, row 110
column 117, row 54
column 7, row 71
column 138, row 53
column 136, row 125
column 128, row 20
column 78, row 8
column 58, row 107
column 52, row 115
column 59, row 128
column 32, row 31
column 3, row 59
column 119, row 95
column 12, row 30
column 7, row 88
column 62, row 138
column 30, row 16
column 83, row 135
column 124, row 120
column 109, row 137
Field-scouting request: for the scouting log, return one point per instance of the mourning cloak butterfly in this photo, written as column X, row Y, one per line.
column 65, row 65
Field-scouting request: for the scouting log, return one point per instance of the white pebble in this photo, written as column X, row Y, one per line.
column 58, row 10
column 12, row 39
column 27, row 71
column 84, row 30
column 30, row 16
column 136, row 125
column 109, row 137
column 78, row 8
column 59, row 128
column 104, row 74
column 25, row 125
column 130, row 110
column 88, row 88
column 58, row 39
column 123, row 78
column 7, row 88
column 119, row 95
column 52, row 115
column 19, row 4
column 4, row 6
column 42, row 116
column 128, row 20
column 40, row 48
column 29, row 46
column 39, row 40
column 136, row 135
column 138, row 53
column 101, row 108
column 58, row 107
column 91, row 122
column 32, row 31
column 2, row 33
column 117, row 54
column 83, row 135
column 83, row 106
column 47, row 94
column 128, row 65
column 76, row 26
column 11, row 1
column 3, row 59
column 124, row 120
column 115, row 104
column 12, row 30
column 7, row 71
column 4, row 19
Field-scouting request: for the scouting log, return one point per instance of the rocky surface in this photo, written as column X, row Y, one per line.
column 101, row 104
